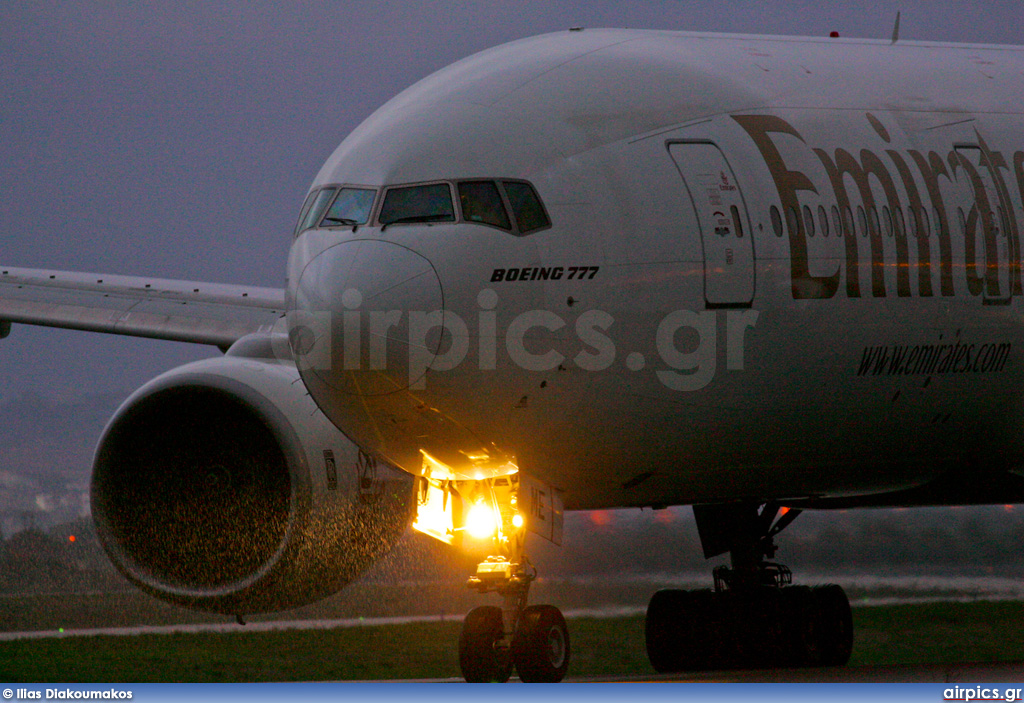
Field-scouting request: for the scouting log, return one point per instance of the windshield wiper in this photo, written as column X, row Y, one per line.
column 348, row 222
column 419, row 218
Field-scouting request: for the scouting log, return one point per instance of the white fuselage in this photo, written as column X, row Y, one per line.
column 775, row 268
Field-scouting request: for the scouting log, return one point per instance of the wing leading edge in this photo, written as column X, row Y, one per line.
column 182, row 311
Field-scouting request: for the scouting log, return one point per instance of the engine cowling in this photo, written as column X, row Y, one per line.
column 221, row 486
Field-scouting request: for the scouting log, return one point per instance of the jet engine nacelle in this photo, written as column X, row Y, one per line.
column 221, row 486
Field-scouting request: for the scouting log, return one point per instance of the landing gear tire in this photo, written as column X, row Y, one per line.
column 673, row 630
column 480, row 659
column 541, row 646
column 837, row 624
column 800, row 627
column 766, row 627
column 666, row 618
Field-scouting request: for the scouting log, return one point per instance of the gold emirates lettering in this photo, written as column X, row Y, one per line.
column 865, row 169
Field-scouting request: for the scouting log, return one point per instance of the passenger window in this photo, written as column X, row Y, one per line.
column 809, row 221
column 926, row 225
column 793, row 220
column 526, row 207
column 317, row 209
column 876, row 228
column 481, row 202
column 776, row 221
column 351, row 207
column 848, row 228
column 410, row 204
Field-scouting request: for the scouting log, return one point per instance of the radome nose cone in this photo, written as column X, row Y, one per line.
column 353, row 305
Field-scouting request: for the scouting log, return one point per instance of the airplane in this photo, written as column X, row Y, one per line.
column 592, row 269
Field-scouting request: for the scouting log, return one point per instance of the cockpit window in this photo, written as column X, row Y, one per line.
column 351, row 207
column 481, row 202
column 422, row 203
column 316, row 209
column 526, row 206
column 305, row 209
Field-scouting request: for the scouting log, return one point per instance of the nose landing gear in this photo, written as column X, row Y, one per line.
column 753, row 618
column 488, row 513
column 533, row 638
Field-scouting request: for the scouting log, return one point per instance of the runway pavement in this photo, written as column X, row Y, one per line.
column 998, row 672
column 977, row 672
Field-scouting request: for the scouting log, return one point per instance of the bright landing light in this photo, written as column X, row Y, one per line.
column 480, row 522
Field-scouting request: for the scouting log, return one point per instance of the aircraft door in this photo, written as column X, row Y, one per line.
column 724, row 226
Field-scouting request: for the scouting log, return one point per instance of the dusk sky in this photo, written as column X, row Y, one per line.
column 178, row 139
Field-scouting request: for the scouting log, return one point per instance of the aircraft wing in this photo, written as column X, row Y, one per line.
column 183, row 311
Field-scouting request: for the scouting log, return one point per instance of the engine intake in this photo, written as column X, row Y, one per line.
column 221, row 486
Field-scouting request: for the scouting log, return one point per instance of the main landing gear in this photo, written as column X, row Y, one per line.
column 753, row 618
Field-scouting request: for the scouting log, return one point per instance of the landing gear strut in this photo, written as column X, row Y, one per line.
column 753, row 618
column 486, row 513
column 532, row 638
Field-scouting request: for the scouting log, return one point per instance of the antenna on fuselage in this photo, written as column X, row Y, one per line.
column 896, row 29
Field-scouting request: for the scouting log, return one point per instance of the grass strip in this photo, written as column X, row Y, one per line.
column 935, row 633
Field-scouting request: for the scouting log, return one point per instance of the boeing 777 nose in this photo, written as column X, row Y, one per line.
column 351, row 327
